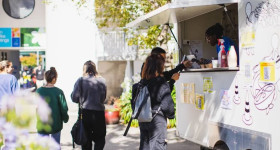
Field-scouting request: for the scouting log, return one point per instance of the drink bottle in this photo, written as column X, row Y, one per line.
column 232, row 57
column 222, row 57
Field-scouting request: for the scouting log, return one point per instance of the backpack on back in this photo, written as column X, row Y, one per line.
column 143, row 113
column 143, row 108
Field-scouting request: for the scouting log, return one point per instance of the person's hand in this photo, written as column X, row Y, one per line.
column 187, row 63
column 175, row 76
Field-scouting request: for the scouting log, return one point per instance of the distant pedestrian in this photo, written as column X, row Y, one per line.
column 25, row 81
column 91, row 89
column 153, row 134
column 57, row 102
column 40, row 76
column 8, row 82
column 10, row 68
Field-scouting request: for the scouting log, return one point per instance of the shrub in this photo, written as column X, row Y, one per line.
column 172, row 122
column 126, row 110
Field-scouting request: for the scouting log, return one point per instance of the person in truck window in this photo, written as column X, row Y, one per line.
column 212, row 36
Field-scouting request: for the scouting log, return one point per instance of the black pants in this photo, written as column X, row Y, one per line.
column 153, row 134
column 95, row 126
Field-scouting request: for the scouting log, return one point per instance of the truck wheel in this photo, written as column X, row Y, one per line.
column 221, row 145
column 204, row 148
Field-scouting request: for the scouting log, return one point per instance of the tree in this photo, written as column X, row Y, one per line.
column 30, row 60
column 117, row 13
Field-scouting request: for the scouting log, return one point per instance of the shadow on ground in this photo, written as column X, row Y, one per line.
column 115, row 139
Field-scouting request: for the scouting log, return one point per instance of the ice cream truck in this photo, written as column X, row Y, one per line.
column 234, row 108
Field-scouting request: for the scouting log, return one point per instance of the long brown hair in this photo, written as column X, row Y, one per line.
column 153, row 64
column 90, row 69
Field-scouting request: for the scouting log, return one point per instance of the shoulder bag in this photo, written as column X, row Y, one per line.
column 78, row 131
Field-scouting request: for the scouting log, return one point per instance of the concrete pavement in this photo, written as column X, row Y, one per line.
column 115, row 139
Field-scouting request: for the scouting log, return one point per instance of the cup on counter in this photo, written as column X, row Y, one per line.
column 215, row 63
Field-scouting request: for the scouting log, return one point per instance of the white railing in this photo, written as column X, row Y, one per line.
column 116, row 47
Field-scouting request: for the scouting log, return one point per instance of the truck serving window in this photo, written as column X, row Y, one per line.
column 211, row 40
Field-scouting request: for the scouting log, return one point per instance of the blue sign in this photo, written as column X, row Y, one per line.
column 16, row 42
column 5, row 37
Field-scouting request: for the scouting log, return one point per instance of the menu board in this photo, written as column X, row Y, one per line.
column 188, row 93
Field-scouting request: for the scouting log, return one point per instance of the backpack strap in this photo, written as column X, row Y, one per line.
column 128, row 126
column 157, row 111
column 73, row 144
column 81, row 100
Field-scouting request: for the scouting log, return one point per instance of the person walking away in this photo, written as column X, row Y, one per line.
column 39, row 76
column 153, row 134
column 57, row 102
column 93, row 96
column 8, row 82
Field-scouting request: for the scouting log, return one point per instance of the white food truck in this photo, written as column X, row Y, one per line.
column 227, row 108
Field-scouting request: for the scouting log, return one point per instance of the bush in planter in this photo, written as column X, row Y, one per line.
column 112, row 110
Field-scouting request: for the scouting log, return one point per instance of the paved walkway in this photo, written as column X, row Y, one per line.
column 115, row 139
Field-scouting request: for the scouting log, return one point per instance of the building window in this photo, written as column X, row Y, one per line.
column 18, row 9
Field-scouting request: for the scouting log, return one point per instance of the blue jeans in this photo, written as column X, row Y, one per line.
column 55, row 136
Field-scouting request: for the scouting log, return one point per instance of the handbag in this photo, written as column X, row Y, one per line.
column 78, row 131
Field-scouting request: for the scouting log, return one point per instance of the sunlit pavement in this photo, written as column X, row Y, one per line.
column 115, row 139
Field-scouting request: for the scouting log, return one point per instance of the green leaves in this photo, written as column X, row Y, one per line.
column 172, row 122
column 118, row 13
column 126, row 110
column 145, row 40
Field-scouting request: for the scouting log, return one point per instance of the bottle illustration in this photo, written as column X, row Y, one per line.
column 232, row 57
column 222, row 57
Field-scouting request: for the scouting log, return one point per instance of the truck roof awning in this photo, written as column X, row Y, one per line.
column 178, row 11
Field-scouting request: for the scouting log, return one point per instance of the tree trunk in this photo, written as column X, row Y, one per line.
column 163, row 39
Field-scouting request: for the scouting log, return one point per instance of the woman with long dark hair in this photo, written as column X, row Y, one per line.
column 153, row 134
column 91, row 89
